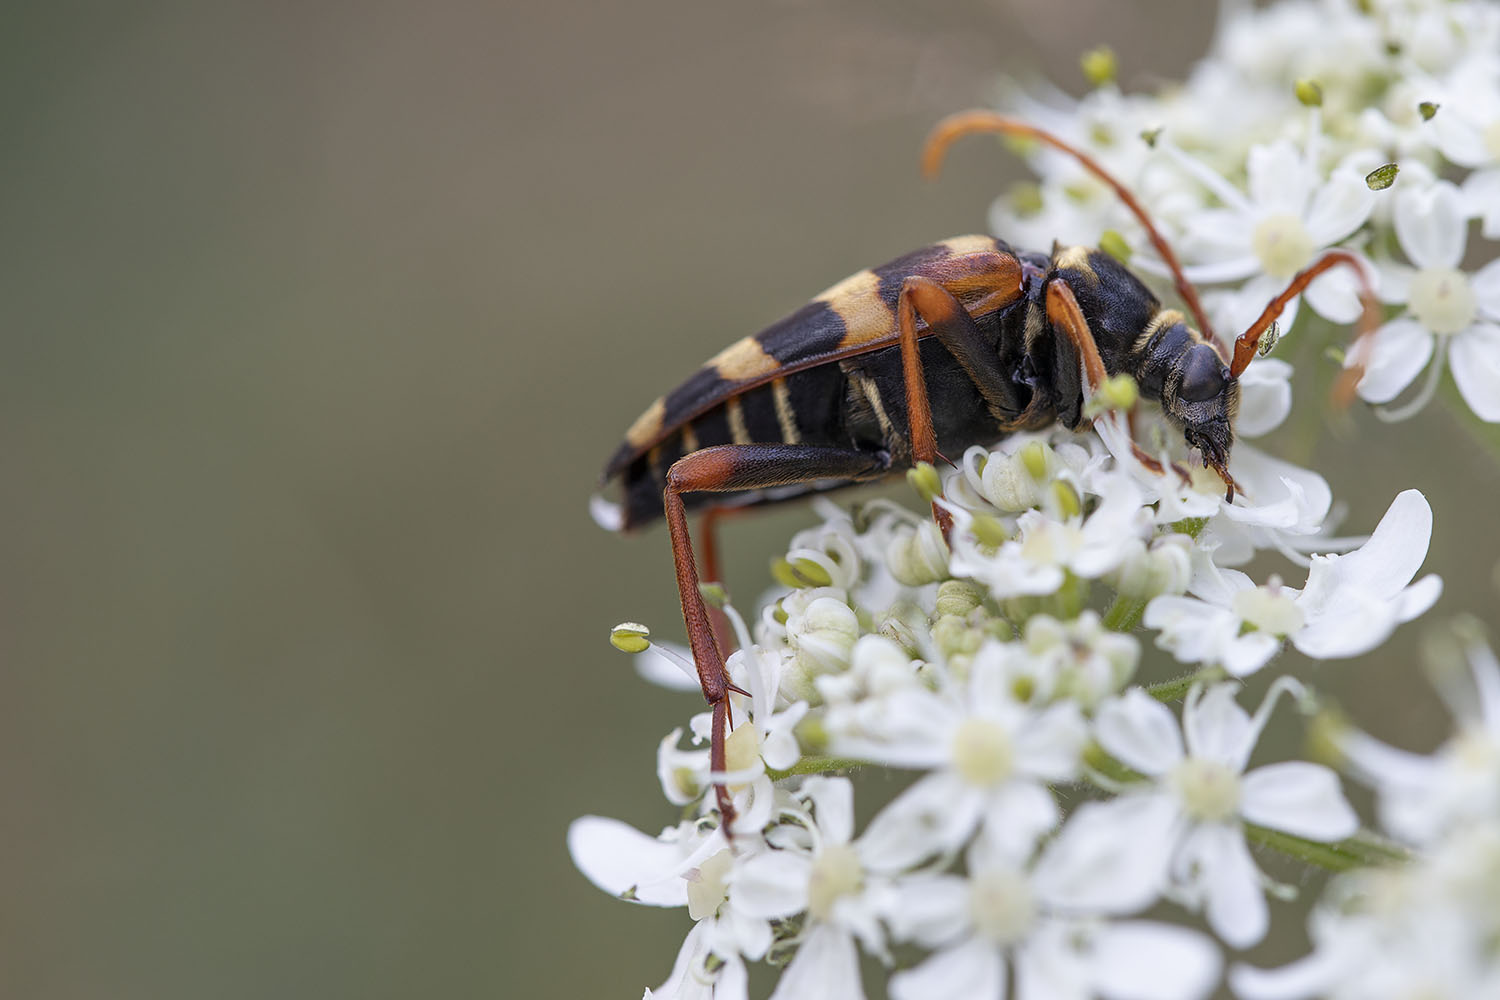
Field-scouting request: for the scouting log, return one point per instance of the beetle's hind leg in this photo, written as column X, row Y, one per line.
column 723, row 469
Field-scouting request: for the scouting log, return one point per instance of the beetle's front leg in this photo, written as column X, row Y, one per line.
column 724, row 469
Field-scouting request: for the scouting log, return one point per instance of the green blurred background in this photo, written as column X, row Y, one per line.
column 320, row 321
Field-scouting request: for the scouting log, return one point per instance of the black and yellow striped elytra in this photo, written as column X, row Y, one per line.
column 830, row 374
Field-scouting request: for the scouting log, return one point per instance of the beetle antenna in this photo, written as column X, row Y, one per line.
column 1247, row 342
column 955, row 127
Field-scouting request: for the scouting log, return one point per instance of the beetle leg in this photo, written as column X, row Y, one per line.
column 954, row 327
column 713, row 569
column 1065, row 315
column 727, row 468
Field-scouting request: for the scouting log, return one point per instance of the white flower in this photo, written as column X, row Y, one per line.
column 1189, row 823
column 1351, row 604
column 1004, row 915
column 685, row 866
column 1038, row 561
column 1422, row 797
column 1291, row 213
column 989, row 754
column 818, row 870
column 1448, row 310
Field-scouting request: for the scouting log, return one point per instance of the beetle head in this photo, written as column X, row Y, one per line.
column 1204, row 400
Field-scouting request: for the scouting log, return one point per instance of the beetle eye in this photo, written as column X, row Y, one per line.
column 1202, row 376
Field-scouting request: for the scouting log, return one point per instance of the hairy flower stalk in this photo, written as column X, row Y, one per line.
column 1058, row 685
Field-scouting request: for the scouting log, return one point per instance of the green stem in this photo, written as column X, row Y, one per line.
column 1175, row 689
column 815, row 765
column 1359, row 851
column 1125, row 613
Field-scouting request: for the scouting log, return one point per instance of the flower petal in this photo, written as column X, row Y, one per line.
column 826, row 966
column 1265, row 397
column 1279, row 180
column 1140, row 731
column 620, row 859
column 1217, row 728
column 1475, row 355
column 1430, row 225
column 1485, row 284
column 1397, row 354
column 1144, row 960
column 833, row 806
column 1302, row 799
column 1335, row 294
column 973, row 969
column 932, row 910
column 935, row 814
column 1339, row 208
column 771, row 885
column 1110, row 857
column 1236, row 907
column 1051, row 745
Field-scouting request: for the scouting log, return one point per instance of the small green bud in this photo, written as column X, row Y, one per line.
column 1150, row 135
column 799, row 574
column 1099, row 65
column 1069, row 504
column 1427, row 109
column 1120, row 391
column 630, row 637
column 990, row 531
column 1382, row 177
column 1034, row 456
column 958, row 597
column 713, row 594
column 1309, row 93
column 1026, row 198
column 1112, row 243
column 924, row 478
column 811, row 733
column 1023, row 688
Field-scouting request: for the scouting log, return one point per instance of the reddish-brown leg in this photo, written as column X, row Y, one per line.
column 954, row 327
column 713, row 570
column 727, row 468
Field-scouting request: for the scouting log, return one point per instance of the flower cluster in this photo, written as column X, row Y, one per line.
column 1078, row 814
column 999, row 674
column 1371, row 126
column 1429, row 927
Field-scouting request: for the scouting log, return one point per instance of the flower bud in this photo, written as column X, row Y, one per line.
column 917, row 556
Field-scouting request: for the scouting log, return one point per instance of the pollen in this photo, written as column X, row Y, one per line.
column 1442, row 300
column 1209, row 791
column 1283, row 245
column 982, row 753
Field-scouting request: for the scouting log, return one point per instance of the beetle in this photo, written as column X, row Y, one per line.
column 958, row 343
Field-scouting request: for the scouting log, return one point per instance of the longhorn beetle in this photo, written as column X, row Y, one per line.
column 959, row 343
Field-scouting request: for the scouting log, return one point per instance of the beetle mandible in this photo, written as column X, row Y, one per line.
column 956, row 344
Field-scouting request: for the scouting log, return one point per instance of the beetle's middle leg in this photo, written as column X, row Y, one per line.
column 722, row 469
column 955, row 329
